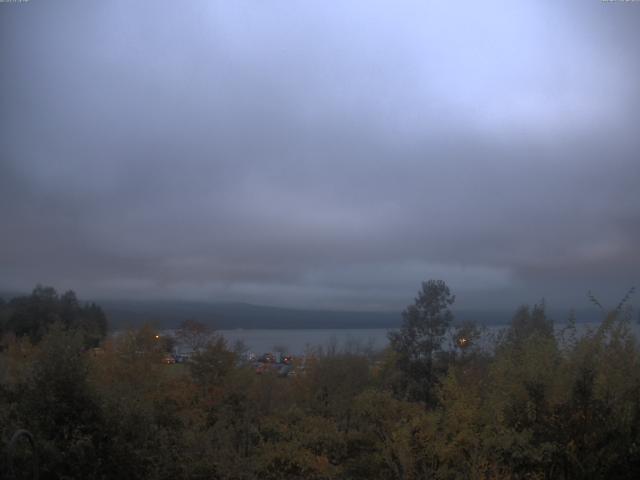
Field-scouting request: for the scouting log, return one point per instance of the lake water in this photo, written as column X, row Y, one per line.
column 297, row 342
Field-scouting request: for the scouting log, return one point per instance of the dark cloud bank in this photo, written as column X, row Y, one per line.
column 321, row 154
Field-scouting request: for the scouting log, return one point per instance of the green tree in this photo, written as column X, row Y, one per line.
column 210, row 365
column 331, row 382
column 34, row 314
column 419, row 340
column 528, row 322
column 61, row 409
column 4, row 316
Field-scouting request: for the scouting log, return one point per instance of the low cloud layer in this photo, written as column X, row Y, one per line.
column 321, row 155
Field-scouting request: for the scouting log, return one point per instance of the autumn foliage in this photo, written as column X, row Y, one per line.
column 536, row 403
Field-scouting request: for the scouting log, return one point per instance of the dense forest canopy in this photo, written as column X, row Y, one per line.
column 535, row 405
column 34, row 314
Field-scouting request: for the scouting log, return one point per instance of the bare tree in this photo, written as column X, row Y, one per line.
column 195, row 335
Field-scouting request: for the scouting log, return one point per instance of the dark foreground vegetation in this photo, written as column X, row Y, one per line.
column 535, row 405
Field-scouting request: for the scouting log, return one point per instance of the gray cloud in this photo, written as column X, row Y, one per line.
column 319, row 154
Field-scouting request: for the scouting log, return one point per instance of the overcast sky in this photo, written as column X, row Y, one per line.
column 321, row 154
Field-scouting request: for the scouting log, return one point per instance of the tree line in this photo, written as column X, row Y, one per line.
column 443, row 401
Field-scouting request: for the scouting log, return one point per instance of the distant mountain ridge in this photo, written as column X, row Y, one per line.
column 223, row 315
column 226, row 315
column 230, row 315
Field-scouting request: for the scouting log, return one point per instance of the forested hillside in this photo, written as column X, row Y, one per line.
column 534, row 406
